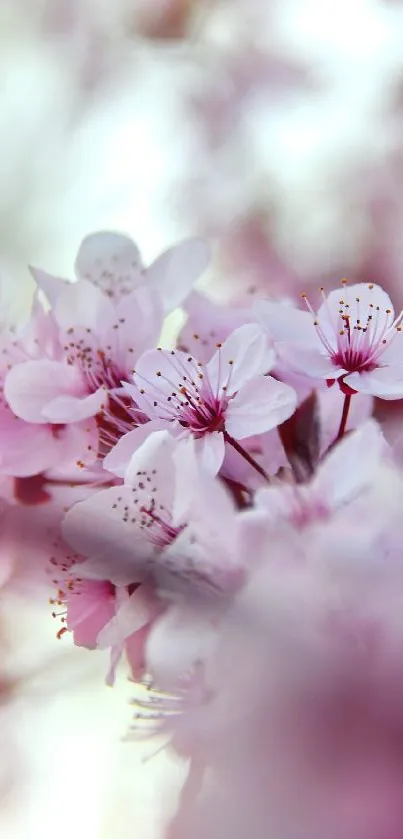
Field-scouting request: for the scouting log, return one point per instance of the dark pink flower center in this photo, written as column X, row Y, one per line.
column 203, row 414
column 192, row 402
column 356, row 334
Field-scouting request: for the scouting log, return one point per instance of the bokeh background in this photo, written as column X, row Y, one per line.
column 272, row 127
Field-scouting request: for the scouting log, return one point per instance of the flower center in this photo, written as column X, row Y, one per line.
column 119, row 416
column 146, row 510
column 186, row 395
column 357, row 332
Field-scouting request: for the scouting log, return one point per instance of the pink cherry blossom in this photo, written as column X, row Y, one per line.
column 354, row 339
column 219, row 403
column 94, row 345
column 99, row 614
column 208, row 323
column 28, row 449
column 137, row 535
column 300, row 702
column 344, row 475
column 112, row 263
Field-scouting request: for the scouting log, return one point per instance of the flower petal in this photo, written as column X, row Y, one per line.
column 66, row 408
column 360, row 298
column 111, row 261
column 100, row 529
column 286, row 323
column 51, row 286
column 244, row 355
column 260, row 405
column 142, row 308
column 83, row 305
column 350, row 467
column 89, row 610
column 384, row 382
column 211, row 450
column 25, row 448
column 119, row 457
column 311, row 362
column 159, row 381
column 174, row 273
column 32, row 385
column 177, row 642
column 134, row 613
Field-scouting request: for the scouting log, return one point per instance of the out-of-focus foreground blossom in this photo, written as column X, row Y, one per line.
column 227, row 522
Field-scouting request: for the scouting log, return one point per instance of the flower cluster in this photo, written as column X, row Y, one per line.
column 225, row 513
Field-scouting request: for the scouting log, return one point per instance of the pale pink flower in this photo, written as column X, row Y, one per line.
column 102, row 324
column 98, row 613
column 112, row 262
column 345, row 474
column 208, row 323
column 353, row 339
column 299, row 716
column 28, row 449
column 222, row 402
column 138, row 535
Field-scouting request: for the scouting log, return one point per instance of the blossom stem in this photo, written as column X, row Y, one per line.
column 249, row 459
column 344, row 417
column 238, row 492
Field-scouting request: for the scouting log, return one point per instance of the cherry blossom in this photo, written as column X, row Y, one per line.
column 225, row 401
column 112, row 262
column 344, row 475
column 353, row 339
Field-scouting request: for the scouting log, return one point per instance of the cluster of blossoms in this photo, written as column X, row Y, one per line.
column 225, row 513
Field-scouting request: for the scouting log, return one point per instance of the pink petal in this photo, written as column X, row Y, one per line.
column 196, row 490
column 211, row 322
column 384, row 382
column 25, row 448
column 89, row 610
column 118, row 458
column 210, row 450
column 153, row 456
column 96, row 528
column 243, row 356
column 311, row 362
column 158, row 377
column 135, row 651
column 32, row 385
column 351, row 465
column 259, row 406
column 286, row 323
column 110, row 261
column 73, row 408
column 132, row 615
column 144, row 309
column 368, row 295
column 177, row 642
column 82, row 304
column 49, row 285
column 174, row 273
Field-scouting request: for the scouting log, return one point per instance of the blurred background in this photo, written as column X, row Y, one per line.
column 273, row 128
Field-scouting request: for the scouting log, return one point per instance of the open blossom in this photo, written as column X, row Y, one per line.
column 226, row 400
column 344, row 475
column 137, row 536
column 354, row 339
column 300, row 716
column 112, row 263
column 103, row 323
column 100, row 614
column 28, row 449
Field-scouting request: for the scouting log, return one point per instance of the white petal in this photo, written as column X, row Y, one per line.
column 260, row 405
